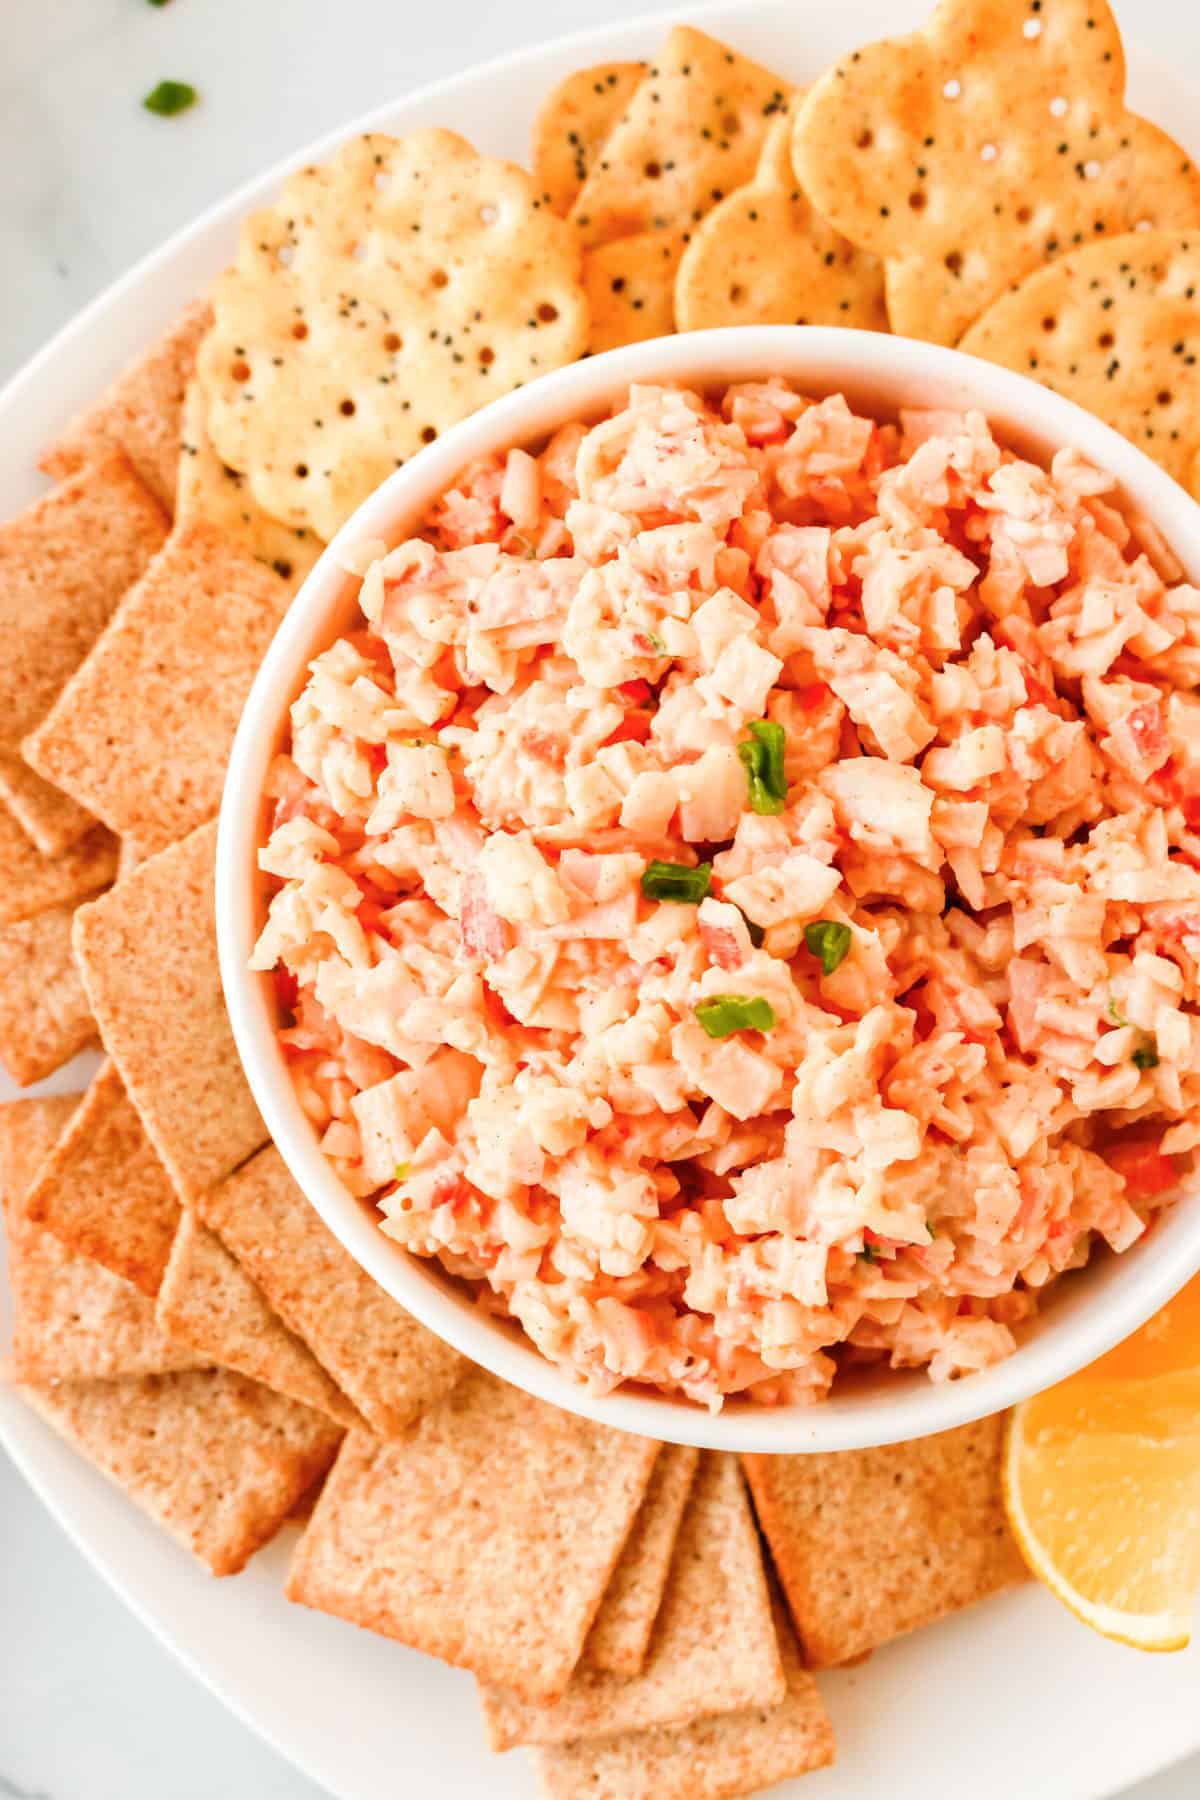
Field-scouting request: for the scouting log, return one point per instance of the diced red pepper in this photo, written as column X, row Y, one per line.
column 814, row 695
column 634, row 728
column 1146, row 1170
column 637, row 693
column 287, row 989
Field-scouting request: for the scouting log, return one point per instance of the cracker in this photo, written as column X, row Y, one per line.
column 1116, row 328
column 869, row 1544
column 765, row 256
column 485, row 1537
column 690, row 135
column 45, row 1017
column 72, row 1320
column 572, row 125
column 389, row 293
column 714, row 1648
column 209, row 1302
column 631, row 288
column 212, row 493
column 712, row 1759
column 32, row 882
column 64, row 564
column 140, row 413
column 389, row 1365
column 102, row 1190
column 49, row 819
column 141, row 733
column 982, row 146
column 217, row 1460
column 620, row 1638
column 147, row 951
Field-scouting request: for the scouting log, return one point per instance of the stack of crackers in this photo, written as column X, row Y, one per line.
column 646, row 1616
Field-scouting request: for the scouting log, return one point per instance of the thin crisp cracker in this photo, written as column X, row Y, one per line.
column 186, row 644
column 572, row 125
column 102, row 1191
column 212, row 493
column 208, row 1302
column 631, row 288
column 217, row 1460
column 714, row 1648
column 50, row 819
column 1116, row 328
column 712, row 1759
column 485, row 1537
column 620, row 1637
column 389, row 293
column 140, row 413
column 147, row 952
column 32, row 882
column 389, row 1365
column 869, row 1544
column 45, row 1017
column 982, row 146
column 765, row 256
column 64, row 564
column 72, row 1320
column 691, row 134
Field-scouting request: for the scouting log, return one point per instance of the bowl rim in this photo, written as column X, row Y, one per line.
column 824, row 359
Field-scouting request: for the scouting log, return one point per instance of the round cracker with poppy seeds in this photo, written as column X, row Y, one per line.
column 1115, row 327
column 386, row 295
column 572, row 125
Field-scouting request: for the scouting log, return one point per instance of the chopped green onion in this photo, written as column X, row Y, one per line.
column 1146, row 1055
column 169, row 98
column 757, row 934
column 656, row 643
column 402, row 1170
column 762, row 758
column 676, row 881
column 724, row 1014
column 1114, row 1015
column 868, row 1253
column 158, row 2
column 829, row 941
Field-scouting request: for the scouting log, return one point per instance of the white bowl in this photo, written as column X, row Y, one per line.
column 1085, row 1313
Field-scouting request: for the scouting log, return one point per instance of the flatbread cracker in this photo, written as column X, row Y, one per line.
column 485, row 1537
column 869, row 1544
column 713, row 1759
column 208, row 1301
column 102, row 1191
column 45, row 1017
column 389, row 1365
column 982, row 146
column 64, row 564
column 690, row 135
column 620, row 1638
column 140, row 413
column 49, row 819
column 147, row 952
column 32, row 882
column 714, row 1648
column 631, row 288
column 389, row 293
column 212, row 493
column 1116, row 328
column 575, row 119
column 72, row 1320
column 765, row 256
column 142, row 731
column 217, row 1460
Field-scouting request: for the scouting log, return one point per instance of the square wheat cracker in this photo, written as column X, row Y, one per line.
column 869, row 1544
column 139, row 413
column 485, row 1537
column 45, row 1018
column 64, row 564
column 72, row 1320
column 141, row 733
column 33, row 882
column 102, row 1191
column 712, row 1759
column 391, row 1367
column 208, row 1302
column 218, row 1461
column 620, row 1638
column 713, row 1650
column 147, row 951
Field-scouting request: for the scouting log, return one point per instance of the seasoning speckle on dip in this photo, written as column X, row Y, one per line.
column 738, row 890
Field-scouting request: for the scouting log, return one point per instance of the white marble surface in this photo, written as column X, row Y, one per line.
column 91, row 1707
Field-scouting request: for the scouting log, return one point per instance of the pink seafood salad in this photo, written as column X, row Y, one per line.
column 737, row 893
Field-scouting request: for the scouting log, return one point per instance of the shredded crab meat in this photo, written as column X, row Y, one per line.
column 737, row 896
